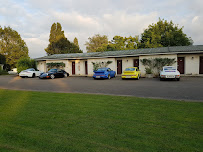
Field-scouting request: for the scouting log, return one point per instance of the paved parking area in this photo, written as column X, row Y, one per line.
column 188, row 88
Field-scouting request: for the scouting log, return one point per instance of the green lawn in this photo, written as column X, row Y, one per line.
column 49, row 122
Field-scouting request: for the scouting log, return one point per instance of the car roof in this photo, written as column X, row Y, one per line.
column 131, row 67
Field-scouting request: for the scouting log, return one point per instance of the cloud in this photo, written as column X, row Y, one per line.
column 32, row 19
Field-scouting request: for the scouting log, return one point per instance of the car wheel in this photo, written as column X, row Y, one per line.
column 22, row 77
column 33, row 75
column 161, row 79
column 114, row 75
column 178, row 79
column 109, row 77
column 52, row 76
column 138, row 77
column 65, row 75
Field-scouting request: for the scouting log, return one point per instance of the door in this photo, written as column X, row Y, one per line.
column 73, row 68
column 201, row 65
column 119, row 66
column 86, row 71
column 136, row 63
column 181, row 65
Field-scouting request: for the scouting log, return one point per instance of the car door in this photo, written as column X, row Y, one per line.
column 60, row 73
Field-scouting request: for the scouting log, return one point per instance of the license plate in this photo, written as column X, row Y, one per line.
column 97, row 76
column 170, row 76
column 127, row 76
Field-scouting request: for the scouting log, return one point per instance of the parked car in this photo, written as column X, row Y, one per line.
column 29, row 73
column 54, row 73
column 169, row 72
column 13, row 71
column 104, row 73
column 131, row 73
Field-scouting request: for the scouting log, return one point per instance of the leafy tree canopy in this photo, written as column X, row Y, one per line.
column 96, row 42
column 75, row 41
column 12, row 46
column 25, row 63
column 120, row 43
column 59, row 44
column 163, row 34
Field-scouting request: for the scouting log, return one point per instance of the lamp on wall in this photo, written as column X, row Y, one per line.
column 192, row 58
column 127, row 60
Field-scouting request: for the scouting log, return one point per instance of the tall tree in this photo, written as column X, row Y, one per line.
column 12, row 46
column 59, row 44
column 75, row 41
column 163, row 34
column 96, row 42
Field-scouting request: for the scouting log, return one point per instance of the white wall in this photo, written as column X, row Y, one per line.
column 126, row 62
column 191, row 64
column 113, row 65
column 142, row 67
column 41, row 66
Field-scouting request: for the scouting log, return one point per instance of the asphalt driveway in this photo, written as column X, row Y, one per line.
column 188, row 88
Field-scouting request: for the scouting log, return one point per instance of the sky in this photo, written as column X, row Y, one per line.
column 32, row 19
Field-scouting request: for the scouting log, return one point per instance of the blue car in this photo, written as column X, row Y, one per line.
column 104, row 73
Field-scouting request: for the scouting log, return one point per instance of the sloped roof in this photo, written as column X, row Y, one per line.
column 146, row 51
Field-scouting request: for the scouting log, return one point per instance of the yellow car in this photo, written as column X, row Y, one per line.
column 131, row 72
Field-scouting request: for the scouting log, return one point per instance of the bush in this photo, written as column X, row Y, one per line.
column 25, row 63
column 3, row 72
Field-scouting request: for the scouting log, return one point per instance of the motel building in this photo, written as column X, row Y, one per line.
column 189, row 60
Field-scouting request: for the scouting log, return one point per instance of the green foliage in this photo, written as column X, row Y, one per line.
column 148, row 70
column 156, row 64
column 25, row 63
column 12, row 46
column 2, row 59
column 120, row 43
column 96, row 42
column 59, row 44
column 3, row 72
column 75, row 41
column 55, row 64
column 97, row 65
column 163, row 34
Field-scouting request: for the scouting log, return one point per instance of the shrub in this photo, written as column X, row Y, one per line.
column 25, row 63
column 97, row 65
column 3, row 72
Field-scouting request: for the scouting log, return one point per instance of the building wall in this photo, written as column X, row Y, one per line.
column 126, row 62
column 142, row 67
column 41, row 66
column 113, row 65
column 191, row 63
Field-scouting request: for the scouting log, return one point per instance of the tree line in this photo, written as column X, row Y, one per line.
column 160, row 34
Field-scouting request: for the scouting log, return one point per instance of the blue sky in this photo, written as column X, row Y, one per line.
column 32, row 19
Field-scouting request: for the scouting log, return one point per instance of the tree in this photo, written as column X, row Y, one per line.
column 12, row 46
column 75, row 41
column 163, row 34
column 120, row 43
column 25, row 63
column 96, row 42
column 59, row 44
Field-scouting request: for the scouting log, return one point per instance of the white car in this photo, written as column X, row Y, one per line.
column 13, row 71
column 29, row 73
column 169, row 72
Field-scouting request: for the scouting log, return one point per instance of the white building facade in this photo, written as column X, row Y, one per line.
column 189, row 60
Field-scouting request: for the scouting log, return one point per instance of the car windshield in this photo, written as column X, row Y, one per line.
column 29, row 70
column 169, row 69
column 53, row 70
column 101, row 69
column 130, row 69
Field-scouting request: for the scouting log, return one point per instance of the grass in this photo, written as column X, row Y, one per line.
column 50, row 122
